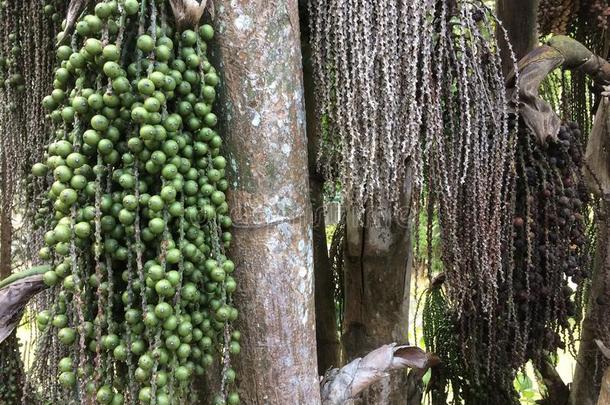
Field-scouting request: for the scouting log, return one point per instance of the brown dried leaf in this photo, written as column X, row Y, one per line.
column 13, row 299
column 605, row 351
column 74, row 10
column 341, row 385
column 409, row 356
column 187, row 12
column 533, row 69
column 523, row 93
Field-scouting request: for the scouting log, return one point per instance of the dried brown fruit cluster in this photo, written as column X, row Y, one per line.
column 550, row 238
column 597, row 10
column 554, row 16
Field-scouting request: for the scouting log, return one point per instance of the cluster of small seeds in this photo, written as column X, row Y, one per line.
column 139, row 218
column 8, row 75
column 52, row 9
column 554, row 16
column 550, row 240
column 11, row 372
column 536, row 296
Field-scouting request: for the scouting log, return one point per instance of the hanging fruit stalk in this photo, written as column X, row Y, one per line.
column 139, row 222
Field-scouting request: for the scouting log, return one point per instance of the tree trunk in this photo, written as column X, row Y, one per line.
column 604, row 395
column 328, row 346
column 260, row 60
column 519, row 18
column 585, row 387
column 377, row 280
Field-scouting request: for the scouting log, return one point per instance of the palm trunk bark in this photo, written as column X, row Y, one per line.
column 377, row 284
column 604, row 395
column 260, row 60
column 519, row 18
column 587, row 376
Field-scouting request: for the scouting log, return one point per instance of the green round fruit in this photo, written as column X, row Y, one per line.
column 132, row 316
column 49, row 103
column 228, row 266
column 172, row 342
column 174, row 277
column 163, row 310
column 111, row 52
column 94, row 22
column 188, row 38
column 163, row 53
column 78, row 182
column 169, row 171
column 156, row 272
column 62, row 173
column 168, row 194
column 68, row 196
column 173, row 256
column 164, row 288
column 170, row 323
column 234, row 347
column 127, row 181
column 105, row 147
column 50, row 278
column 39, row 170
column 82, row 230
column 206, row 32
column 185, row 329
column 65, row 364
column 156, row 226
column 146, row 362
column 230, row 375
column 131, row 7
column 43, row 317
column 230, row 285
column 112, row 69
column 118, row 399
column 233, row 399
column 104, row 395
column 163, row 399
column 182, row 373
column 99, row 123
column 217, row 274
column 138, row 347
column 67, row 336
column 64, row 52
column 110, row 342
column 146, row 87
column 145, row 394
column 103, row 10
column 93, row 46
column 120, row 85
column 212, row 79
column 67, row 379
column 145, row 43
column 91, row 137
column 120, row 352
column 139, row 115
